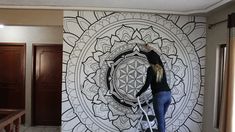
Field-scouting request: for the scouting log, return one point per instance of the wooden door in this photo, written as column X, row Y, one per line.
column 47, row 84
column 12, row 76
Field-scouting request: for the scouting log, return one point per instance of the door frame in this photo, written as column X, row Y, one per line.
column 23, row 72
column 34, row 45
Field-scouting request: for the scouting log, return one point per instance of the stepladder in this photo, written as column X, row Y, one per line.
column 147, row 122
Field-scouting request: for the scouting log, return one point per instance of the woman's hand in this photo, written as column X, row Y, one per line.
column 148, row 47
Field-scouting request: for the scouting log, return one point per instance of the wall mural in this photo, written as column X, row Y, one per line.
column 104, row 67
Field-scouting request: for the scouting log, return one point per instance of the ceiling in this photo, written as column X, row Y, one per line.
column 155, row 6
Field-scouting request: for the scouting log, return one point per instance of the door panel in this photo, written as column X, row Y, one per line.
column 47, row 84
column 12, row 76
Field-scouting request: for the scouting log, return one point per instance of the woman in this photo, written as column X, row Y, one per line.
column 156, row 77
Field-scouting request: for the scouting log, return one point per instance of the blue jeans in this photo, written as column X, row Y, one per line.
column 161, row 102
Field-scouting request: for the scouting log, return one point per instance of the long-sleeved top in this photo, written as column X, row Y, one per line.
column 155, row 86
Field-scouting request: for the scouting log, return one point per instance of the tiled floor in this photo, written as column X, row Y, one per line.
column 40, row 129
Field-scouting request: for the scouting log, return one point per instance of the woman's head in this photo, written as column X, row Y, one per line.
column 153, row 57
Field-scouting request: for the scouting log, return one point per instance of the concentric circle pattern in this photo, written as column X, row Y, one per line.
column 104, row 66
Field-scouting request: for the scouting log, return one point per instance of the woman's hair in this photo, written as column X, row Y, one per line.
column 158, row 70
column 156, row 64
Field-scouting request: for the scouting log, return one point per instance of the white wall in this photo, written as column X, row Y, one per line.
column 31, row 35
column 215, row 36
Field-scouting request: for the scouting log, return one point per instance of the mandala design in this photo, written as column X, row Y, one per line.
column 104, row 66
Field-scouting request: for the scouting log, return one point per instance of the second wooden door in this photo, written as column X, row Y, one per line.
column 47, row 84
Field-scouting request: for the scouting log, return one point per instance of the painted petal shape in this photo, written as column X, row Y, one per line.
column 103, row 44
column 83, row 23
column 90, row 65
column 149, row 35
column 101, row 111
column 125, row 33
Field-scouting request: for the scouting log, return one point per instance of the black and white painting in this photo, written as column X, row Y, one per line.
column 104, row 67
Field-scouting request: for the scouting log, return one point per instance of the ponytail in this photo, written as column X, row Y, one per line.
column 158, row 70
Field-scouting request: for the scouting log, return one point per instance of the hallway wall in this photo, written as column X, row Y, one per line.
column 31, row 17
column 30, row 35
column 104, row 67
column 216, row 36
